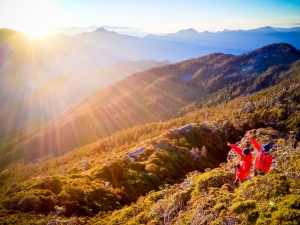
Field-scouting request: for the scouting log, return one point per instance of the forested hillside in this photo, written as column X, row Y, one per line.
column 145, row 173
column 158, row 94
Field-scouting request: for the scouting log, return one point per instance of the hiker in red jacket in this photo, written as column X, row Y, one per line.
column 242, row 170
column 263, row 160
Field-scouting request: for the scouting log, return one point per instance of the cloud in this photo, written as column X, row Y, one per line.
column 117, row 27
column 94, row 27
column 74, row 30
column 286, row 25
column 123, row 29
column 131, row 31
column 137, row 32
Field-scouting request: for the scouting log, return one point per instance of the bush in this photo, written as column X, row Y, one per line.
column 281, row 186
column 28, row 203
column 220, row 206
column 253, row 216
column 243, row 206
column 288, row 210
column 215, row 178
column 53, row 184
column 217, row 222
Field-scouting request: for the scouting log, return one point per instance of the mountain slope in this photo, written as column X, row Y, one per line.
column 66, row 91
column 27, row 65
column 211, row 197
column 168, row 153
column 31, row 103
column 160, row 94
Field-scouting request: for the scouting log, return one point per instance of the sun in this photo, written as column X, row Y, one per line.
column 37, row 18
column 37, row 32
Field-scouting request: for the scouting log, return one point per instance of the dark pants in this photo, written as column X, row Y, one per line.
column 259, row 172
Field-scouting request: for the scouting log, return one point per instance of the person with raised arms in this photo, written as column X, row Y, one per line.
column 264, row 158
column 242, row 170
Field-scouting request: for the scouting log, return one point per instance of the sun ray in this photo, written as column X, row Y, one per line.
column 36, row 18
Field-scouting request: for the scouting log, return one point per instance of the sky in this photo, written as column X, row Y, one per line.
column 141, row 17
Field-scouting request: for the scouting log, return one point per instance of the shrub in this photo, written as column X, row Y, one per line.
column 220, row 206
column 217, row 222
column 243, row 206
column 288, row 210
column 215, row 178
column 138, row 166
column 28, row 203
column 280, row 185
column 53, row 184
column 252, row 216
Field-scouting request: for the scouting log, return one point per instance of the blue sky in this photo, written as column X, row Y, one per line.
column 150, row 16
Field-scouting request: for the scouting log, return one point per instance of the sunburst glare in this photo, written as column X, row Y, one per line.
column 36, row 18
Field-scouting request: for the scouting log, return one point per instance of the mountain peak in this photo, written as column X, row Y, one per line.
column 188, row 31
column 264, row 29
column 101, row 29
column 282, row 48
column 151, row 36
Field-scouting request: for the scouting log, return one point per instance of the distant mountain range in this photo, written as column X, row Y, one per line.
column 29, row 67
column 90, row 50
column 189, row 43
column 235, row 41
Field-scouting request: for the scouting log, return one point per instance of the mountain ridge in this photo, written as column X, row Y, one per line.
column 74, row 54
column 160, row 94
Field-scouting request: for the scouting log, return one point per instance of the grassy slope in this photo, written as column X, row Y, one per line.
column 211, row 198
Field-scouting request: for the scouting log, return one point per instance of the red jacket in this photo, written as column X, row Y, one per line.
column 263, row 160
column 245, row 163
